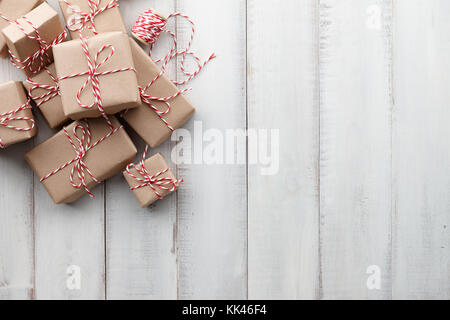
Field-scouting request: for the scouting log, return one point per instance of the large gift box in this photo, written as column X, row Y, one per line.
column 31, row 39
column 16, row 119
column 80, row 156
column 44, row 91
column 151, row 180
column 11, row 10
column 153, row 120
column 92, row 17
column 104, row 81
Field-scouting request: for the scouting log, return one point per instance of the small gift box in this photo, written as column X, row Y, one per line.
column 80, row 156
column 31, row 38
column 96, row 76
column 92, row 17
column 151, row 180
column 16, row 119
column 11, row 10
column 163, row 108
column 43, row 89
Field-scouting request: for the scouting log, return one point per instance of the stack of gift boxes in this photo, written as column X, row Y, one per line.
column 82, row 87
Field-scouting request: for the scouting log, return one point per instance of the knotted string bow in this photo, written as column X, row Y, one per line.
column 81, row 143
column 51, row 91
column 7, row 117
column 93, row 76
column 36, row 62
column 149, row 100
column 155, row 181
column 80, row 20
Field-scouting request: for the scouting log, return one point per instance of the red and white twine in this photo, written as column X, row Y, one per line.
column 36, row 62
column 148, row 28
column 81, row 144
column 150, row 25
column 7, row 117
column 156, row 182
column 93, row 73
column 79, row 21
column 149, row 100
column 51, row 91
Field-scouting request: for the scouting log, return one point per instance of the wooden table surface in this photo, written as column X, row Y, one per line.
column 360, row 206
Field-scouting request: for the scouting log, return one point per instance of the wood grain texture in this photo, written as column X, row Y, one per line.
column 358, row 90
column 212, row 204
column 355, row 152
column 141, row 256
column 422, row 150
column 68, row 235
column 16, row 215
column 283, row 208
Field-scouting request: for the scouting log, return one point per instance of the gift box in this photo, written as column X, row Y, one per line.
column 16, row 118
column 92, row 17
column 43, row 89
column 153, row 120
column 31, row 38
column 151, row 180
column 11, row 10
column 80, row 156
column 104, row 81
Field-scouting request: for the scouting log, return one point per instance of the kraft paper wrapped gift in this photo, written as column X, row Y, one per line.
column 23, row 46
column 119, row 91
column 144, row 120
column 13, row 9
column 44, row 91
column 103, row 160
column 157, row 184
column 13, row 105
column 106, row 17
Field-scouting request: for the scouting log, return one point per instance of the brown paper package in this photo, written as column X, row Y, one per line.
column 12, row 97
column 13, row 9
column 107, row 21
column 52, row 110
column 144, row 119
column 119, row 91
column 104, row 160
column 146, row 195
column 46, row 20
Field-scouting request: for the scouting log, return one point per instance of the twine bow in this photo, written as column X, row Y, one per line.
column 51, row 91
column 93, row 76
column 149, row 100
column 36, row 62
column 7, row 117
column 155, row 181
column 79, row 21
column 81, row 143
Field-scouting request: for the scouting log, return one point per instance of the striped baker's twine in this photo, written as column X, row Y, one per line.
column 7, row 117
column 81, row 20
column 81, row 145
column 36, row 62
column 93, row 76
column 149, row 100
column 155, row 181
column 51, row 91
column 150, row 25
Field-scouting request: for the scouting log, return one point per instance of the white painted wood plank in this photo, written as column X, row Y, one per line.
column 141, row 257
column 421, row 150
column 212, row 204
column 355, row 95
column 283, row 95
column 16, row 214
column 68, row 235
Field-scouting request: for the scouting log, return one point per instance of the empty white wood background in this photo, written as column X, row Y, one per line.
column 358, row 90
